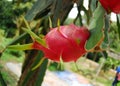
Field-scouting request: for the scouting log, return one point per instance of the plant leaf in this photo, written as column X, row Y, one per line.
column 2, row 81
column 93, row 5
column 118, row 24
column 96, row 28
column 105, row 43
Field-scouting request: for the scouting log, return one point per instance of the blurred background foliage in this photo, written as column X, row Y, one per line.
column 10, row 10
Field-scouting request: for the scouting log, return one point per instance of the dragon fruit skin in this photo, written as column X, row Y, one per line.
column 64, row 42
column 111, row 5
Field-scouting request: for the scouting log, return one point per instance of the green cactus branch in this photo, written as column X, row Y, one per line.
column 96, row 28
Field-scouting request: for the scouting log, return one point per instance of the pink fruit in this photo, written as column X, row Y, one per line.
column 111, row 5
column 65, row 42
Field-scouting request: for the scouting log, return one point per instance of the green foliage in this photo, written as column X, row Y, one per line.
column 96, row 29
column 9, row 55
column 21, row 8
column 6, row 13
column 54, row 66
column 104, row 81
column 9, row 12
column 8, row 77
column 118, row 24
column 2, row 81
column 110, row 63
column 114, row 38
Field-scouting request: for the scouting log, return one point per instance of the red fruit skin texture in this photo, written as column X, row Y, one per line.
column 65, row 42
column 111, row 5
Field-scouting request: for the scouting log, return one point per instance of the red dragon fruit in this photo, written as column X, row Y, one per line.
column 64, row 42
column 111, row 5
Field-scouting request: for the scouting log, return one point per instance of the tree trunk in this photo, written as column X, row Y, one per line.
column 41, row 9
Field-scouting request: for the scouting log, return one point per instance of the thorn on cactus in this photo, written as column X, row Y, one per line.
column 50, row 23
column 61, row 64
column 58, row 23
column 41, row 61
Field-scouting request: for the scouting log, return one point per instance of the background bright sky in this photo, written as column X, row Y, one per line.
column 73, row 12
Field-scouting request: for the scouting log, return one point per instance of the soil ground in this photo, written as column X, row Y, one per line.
column 67, row 78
